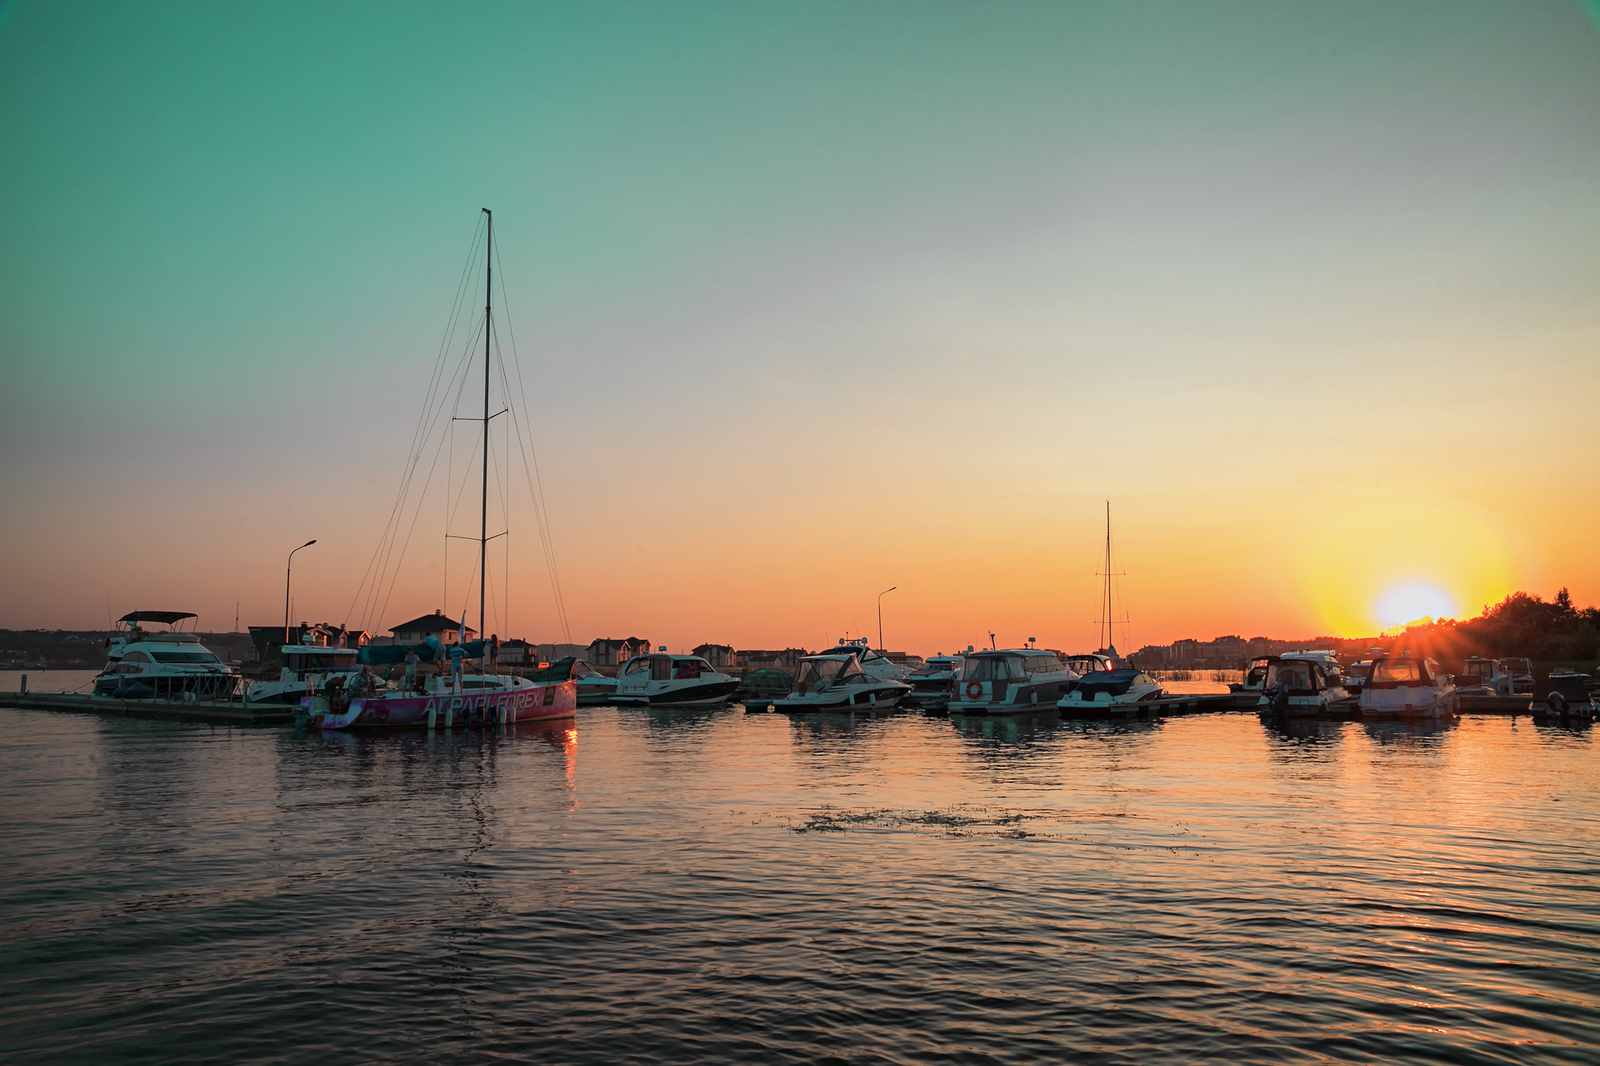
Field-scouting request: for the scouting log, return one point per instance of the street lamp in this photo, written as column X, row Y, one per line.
column 288, row 572
column 881, row 595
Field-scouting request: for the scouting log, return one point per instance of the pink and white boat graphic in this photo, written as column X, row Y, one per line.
column 519, row 701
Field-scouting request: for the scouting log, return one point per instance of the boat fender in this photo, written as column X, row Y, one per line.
column 974, row 689
column 1557, row 702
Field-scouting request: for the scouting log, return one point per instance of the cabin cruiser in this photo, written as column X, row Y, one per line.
column 671, row 680
column 163, row 665
column 1301, row 687
column 1481, row 676
column 1521, row 672
column 1009, row 681
column 1407, row 686
column 306, row 668
column 1255, row 675
column 930, row 682
column 873, row 662
column 837, row 681
column 1122, row 689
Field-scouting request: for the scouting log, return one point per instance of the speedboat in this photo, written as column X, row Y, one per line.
column 306, row 668
column 930, row 682
column 1111, row 690
column 1407, row 686
column 1300, row 687
column 836, row 681
column 163, row 665
column 593, row 687
column 1009, row 681
column 671, row 680
column 1092, row 663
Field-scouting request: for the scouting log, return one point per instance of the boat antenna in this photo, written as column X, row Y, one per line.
column 483, row 528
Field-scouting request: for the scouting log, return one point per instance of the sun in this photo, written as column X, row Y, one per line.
column 1415, row 600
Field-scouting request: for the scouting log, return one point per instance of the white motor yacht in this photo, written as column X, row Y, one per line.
column 163, row 665
column 837, row 682
column 930, row 683
column 1484, row 677
column 662, row 680
column 1521, row 672
column 873, row 662
column 1408, row 686
column 1301, row 687
column 1110, row 690
column 306, row 669
column 1010, row 681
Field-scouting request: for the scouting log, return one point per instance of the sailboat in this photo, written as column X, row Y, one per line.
column 1111, row 688
column 447, row 698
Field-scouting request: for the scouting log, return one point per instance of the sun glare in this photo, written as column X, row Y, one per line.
column 1410, row 602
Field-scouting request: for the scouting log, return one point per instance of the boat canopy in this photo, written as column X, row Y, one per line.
column 430, row 650
column 166, row 618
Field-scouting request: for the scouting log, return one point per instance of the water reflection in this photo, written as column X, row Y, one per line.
column 1418, row 735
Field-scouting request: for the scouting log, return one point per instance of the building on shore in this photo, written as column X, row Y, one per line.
column 268, row 639
column 787, row 660
column 448, row 630
column 721, row 656
column 611, row 651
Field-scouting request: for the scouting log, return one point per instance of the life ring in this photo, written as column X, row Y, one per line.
column 974, row 689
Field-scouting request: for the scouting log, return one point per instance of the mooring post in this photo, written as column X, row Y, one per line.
column 24, row 689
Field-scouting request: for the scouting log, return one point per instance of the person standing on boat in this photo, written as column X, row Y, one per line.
column 411, row 668
column 494, row 653
column 457, row 658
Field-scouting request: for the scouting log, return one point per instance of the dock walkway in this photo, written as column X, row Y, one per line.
column 241, row 714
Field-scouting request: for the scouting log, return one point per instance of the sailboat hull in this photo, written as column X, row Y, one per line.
column 536, row 704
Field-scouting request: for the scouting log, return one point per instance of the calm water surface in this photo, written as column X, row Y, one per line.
column 719, row 887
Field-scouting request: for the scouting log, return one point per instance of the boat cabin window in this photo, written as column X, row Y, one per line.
column 637, row 666
column 1399, row 672
column 687, row 669
column 1086, row 665
column 1296, row 675
column 1360, row 671
column 1044, row 664
column 136, row 657
column 1477, row 668
column 992, row 668
column 185, row 657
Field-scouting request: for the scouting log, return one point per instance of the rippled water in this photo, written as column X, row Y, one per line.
column 720, row 887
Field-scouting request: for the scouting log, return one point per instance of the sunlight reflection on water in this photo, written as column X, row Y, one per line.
column 653, row 885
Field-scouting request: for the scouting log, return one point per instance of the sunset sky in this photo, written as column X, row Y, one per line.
column 811, row 300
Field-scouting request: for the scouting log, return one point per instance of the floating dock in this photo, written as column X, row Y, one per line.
column 235, row 713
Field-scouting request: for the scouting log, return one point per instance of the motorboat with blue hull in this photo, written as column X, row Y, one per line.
column 1110, row 691
column 1010, row 681
column 162, row 665
column 838, row 682
column 671, row 681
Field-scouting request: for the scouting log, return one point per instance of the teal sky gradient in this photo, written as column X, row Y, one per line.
column 921, row 281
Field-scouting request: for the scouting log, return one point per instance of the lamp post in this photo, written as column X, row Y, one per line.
column 881, row 595
column 288, row 573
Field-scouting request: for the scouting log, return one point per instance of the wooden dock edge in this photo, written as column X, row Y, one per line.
column 239, row 714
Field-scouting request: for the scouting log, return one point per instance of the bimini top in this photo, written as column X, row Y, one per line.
column 166, row 618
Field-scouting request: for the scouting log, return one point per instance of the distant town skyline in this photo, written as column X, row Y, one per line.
column 810, row 302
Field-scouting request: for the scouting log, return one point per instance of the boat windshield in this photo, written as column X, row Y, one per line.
column 1398, row 671
column 1360, row 671
column 991, row 667
column 933, row 669
column 818, row 674
column 583, row 669
column 640, row 665
column 1086, row 664
column 1477, row 668
column 1518, row 666
column 1045, row 664
column 1293, row 674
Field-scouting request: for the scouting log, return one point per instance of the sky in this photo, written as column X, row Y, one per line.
column 808, row 301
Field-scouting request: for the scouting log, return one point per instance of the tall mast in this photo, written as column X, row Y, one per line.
column 483, row 527
column 1105, row 608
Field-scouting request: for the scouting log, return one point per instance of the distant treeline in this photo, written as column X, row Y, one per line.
column 1521, row 624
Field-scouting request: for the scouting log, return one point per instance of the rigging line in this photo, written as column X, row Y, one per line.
column 376, row 589
column 430, row 420
column 544, row 539
column 393, row 575
column 413, row 453
column 431, row 417
column 540, row 510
